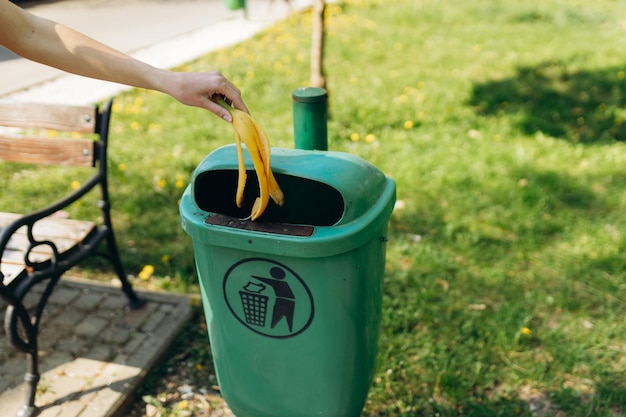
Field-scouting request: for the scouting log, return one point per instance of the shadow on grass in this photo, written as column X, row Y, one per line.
column 580, row 106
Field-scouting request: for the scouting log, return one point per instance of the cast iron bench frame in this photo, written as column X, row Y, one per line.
column 40, row 247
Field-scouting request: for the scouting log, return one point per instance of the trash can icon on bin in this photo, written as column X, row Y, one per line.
column 293, row 300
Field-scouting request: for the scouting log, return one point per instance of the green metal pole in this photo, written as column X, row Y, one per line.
column 310, row 118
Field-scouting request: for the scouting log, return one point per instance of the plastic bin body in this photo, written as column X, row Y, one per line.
column 292, row 306
column 235, row 4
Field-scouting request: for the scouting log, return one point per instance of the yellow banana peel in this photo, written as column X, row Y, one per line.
column 255, row 139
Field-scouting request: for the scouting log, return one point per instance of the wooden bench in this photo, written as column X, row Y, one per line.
column 38, row 247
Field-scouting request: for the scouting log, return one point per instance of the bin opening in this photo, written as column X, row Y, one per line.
column 307, row 202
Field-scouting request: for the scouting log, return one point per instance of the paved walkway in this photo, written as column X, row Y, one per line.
column 94, row 352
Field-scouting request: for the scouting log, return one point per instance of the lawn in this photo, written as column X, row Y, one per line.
column 503, row 124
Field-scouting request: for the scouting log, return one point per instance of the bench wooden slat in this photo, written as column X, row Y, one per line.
column 37, row 116
column 65, row 151
column 11, row 272
column 18, row 245
column 53, row 226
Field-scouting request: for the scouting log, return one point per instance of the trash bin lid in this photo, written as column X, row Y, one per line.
column 334, row 202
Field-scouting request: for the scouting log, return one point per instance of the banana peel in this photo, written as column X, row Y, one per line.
column 248, row 130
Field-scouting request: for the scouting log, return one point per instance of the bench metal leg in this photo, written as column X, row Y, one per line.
column 27, row 344
column 22, row 329
column 134, row 302
column 28, row 409
column 113, row 254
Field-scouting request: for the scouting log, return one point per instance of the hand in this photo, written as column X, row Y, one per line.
column 203, row 89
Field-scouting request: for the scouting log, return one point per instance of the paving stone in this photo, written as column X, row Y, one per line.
column 94, row 351
column 50, row 329
column 14, row 367
column 59, row 388
column 88, row 301
column 54, row 359
column 154, row 321
column 102, row 352
column 68, row 408
column 136, row 318
column 73, row 345
column 134, row 342
column 63, row 295
column 83, row 368
column 91, row 326
column 115, row 335
column 67, row 318
column 115, row 304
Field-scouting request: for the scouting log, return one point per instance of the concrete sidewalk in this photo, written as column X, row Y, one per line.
column 163, row 33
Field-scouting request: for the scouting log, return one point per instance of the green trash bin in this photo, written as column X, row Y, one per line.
column 292, row 301
column 235, row 4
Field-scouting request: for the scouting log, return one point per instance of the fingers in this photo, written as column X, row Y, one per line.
column 232, row 96
column 227, row 91
column 204, row 89
column 218, row 110
column 237, row 102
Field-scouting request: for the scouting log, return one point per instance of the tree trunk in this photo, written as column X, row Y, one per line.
column 317, row 45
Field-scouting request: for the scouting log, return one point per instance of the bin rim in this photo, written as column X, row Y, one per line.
column 352, row 230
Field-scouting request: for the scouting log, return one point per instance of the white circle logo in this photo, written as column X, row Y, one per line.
column 268, row 298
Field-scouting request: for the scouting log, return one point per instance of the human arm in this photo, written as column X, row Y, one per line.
column 56, row 45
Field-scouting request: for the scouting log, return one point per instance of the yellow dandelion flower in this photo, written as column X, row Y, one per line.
column 403, row 98
column 122, row 167
column 250, row 74
column 525, row 331
column 161, row 183
column 165, row 259
column 155, row 128
column 355, row 137
column 146, row 272
column 135, row 125
column 195, row 300
column 180, row 184
column 75, row 185
column 408, row 124
column 183, row 405
column 198, row 366
column 52, row 133
column 370, row 137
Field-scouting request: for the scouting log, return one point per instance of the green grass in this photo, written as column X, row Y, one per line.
column 505, row 288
